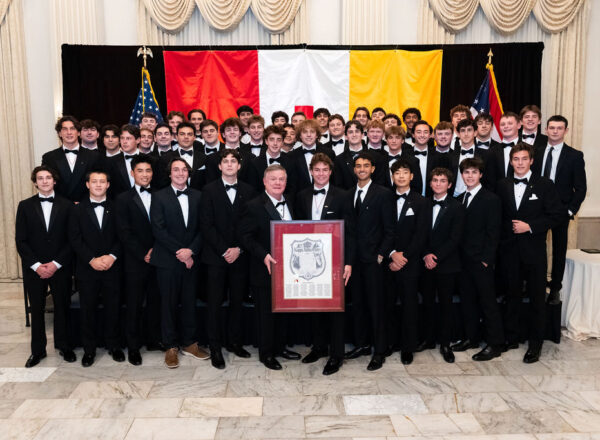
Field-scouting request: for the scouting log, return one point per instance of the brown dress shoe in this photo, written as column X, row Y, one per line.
column 171, row 360
column 196, row 352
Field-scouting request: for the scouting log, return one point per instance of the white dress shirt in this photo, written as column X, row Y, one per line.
column 423, row 166
column 189, row 159
column 146, row 198
column 255, row 148
column 530, row 140
column 128, row 166
column 506, row 152
column 184, row 203
column 555, row 155
column 283, row 211
column 339, row 148
column 47, row 210
column 436, row 209
column 318, row 202
column 364, row 190
column 400, row 202
column 520, row 188
column 308, row 157
column 71, row 158
column 460, row 183
column 99, row 210
column 232, row 191
column 473, row 193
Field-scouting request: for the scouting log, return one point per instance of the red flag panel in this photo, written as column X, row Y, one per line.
column 216, row 81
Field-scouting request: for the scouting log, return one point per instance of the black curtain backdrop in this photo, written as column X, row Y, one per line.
column 102, row 82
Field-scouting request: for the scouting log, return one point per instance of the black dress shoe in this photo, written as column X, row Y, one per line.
column 406, row 357
column 88, row 359
column 464, row 345
column 425, row 346
column 332, row 366
column 289, row 355
column 134, row 357
column 487, row 354
column 156, row 346
column 510, row 346
column 532, row 355
column 447, row 354
column 216, row 359
column 358, row 352
column 271, row 363
column 117, row 355
column 553, row 297
column 34, row 359
column 68, row 355
column 376, row 362
column 238, row 350
column 314, row 356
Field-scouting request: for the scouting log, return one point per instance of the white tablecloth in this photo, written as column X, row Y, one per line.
column 581, row 296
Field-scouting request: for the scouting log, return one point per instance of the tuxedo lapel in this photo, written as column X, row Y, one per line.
column 273, row 213
column 443, row 210
column 138, row 201
column 192, row 210
column 92, row 213
column 326, row 204
column 562, row 157
column 37, row 206
column 367, row 198
column 177, row 206
column 79, row 168
column 63, row 164
column 123, row 171
column 53, row 213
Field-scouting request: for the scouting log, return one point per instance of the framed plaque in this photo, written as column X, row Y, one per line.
column 308, row 275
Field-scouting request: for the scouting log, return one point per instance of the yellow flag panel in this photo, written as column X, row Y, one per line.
column 395, row 80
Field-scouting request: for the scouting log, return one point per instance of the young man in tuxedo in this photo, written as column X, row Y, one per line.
column 410, row 116
column 442, row 134
column 119, row 166
column 175, row 219
column 499, row 165
column 297, row 117
column 530, row 206
column 375, row 133
column 427, row 156
column 244, row 113
column 343, row 175
column 71, row 162
column 336, row 139
column 110, row 140
column 478, row 256
column 321, row 115
column 149, row 121
column 255, row 235
column 326, row 202
column 174, row 118
column 403, row 264
column 93, row 237
column 231, row 131
column 256, row 129
column 372, row 211
column 378, row 113
column 162, row 142
column 396, row 151
column 531, row 133
column 565, row 166
column 223, row 202
column 458, row 113
column 483, row 133
column 196, row 117
column 90, row 132
column 391, row 120
column 146, row 141
column 442, row 261
column 280, row 118
column 289, row 140
column 273, row 139
column 467, row 150
column 192, row 153
column 41, row 235
column 135, row 232
column 362, row 115
column 210, row 134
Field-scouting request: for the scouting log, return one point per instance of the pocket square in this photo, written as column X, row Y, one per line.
column 203, row 167
column 330, row 212
column 533, row 197
column 409, row 211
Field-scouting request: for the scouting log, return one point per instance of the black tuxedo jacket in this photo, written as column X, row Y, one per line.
column 255, row 235
column 71, row 185
column 119, row 177
column 383, row 176
column 34, row 242
column 495, row 166
column 434, row 160
column 298, row 165
column 219, row 220
column 212, row 164
column 540, row 207
column 343, row 165
column 169, row 229
column 257, row 167
column 334, row 208
column 134, row 230
column 374, row 223
column 482, row 227
column 410, row 231
column 445, row 236
column 570, row 179
column 89, row 240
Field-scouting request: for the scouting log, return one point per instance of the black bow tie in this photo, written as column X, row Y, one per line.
column 184, row 192
column 391, row 158
column 142, row 189
column 401, row 196
column 46, row 199
column 210, row 150
column 523, row 180
column 96, row 204
column 66, row 150
column 421, row 153
column 278, row 204
column 183, row 152
column 528, row 136
column 486, row 143
column 441, row 203
column 509, row 145
column 173, row 143
column 273, row 160
column 306, row 151
column 465, row 152
column 319, row 191
column 228, row 187
column 339, row 141
column 129, row 156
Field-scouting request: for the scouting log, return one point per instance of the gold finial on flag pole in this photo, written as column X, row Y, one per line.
column 145, row 51
column 490, row 55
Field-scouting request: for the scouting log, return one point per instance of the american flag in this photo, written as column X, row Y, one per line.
column 145, row 102
column 488, row 101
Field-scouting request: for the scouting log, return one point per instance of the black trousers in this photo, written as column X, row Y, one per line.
column 138, row 289
column 534, row 274
column 177, row 287
column 441, row 285
column 328, row 330
column 368, row 305
column 560, row 236
column 272, row 327
column 403, row 329
column 60, row 288
column 478, row 298
column 91, row 291
column 219, row 280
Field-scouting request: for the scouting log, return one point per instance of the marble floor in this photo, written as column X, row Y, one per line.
column 557, row 398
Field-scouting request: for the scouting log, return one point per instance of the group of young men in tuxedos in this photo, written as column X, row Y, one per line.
column 435, row 212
